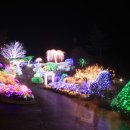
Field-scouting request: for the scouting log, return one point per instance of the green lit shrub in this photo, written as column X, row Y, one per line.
column 37, row 80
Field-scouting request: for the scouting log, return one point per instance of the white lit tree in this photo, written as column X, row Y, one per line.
column 13, row 50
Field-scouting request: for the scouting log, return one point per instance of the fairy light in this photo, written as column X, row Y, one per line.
column 121, row 80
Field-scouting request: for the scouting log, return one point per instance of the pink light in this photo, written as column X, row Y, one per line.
column 121, row 80
column 55, row 55
column 23, row 88
column 39, row 59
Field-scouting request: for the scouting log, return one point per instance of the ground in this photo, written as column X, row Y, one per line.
column 54, row 111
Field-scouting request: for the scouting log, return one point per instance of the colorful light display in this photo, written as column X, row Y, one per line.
column 6, row 78
column 121, row 102
column 11, row 88
column 87, row 74
column 15, row 91
column 70, row 88
column 88, row 80
column 74, row 86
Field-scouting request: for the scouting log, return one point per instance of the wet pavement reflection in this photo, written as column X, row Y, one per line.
column 53, row 111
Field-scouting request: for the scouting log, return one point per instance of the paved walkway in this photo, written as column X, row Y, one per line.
column 53, row 111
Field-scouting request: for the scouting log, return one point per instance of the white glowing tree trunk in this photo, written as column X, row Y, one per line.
column 19, row 70
column 16, row 64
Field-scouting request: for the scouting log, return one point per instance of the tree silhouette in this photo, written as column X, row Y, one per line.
column 98, row 40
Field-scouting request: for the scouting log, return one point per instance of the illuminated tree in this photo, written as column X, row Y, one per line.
column 82, row 62
column 55, row 55
column 122, row 101
column 13, row 50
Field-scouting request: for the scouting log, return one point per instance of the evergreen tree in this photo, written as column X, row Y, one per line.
column 122, row 101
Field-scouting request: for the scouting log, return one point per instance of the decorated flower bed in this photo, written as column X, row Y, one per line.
column 70, row 87
column 11, row 90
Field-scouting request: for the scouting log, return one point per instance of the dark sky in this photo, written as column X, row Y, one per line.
column 41, row 27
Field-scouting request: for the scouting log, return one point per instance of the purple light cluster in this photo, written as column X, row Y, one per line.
column 15, row 91
column 1, row 65
column 70, row 87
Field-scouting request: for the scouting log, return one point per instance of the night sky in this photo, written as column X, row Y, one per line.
column 41, row 27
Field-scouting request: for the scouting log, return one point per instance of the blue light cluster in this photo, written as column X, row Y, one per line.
column 102, row 82
column 70, row 61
